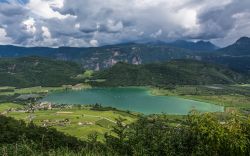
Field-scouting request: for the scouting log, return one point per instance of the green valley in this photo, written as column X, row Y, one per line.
column 135, row 107
column 124, row 78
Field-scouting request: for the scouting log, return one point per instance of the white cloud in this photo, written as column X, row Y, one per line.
column 30, row 25
column 45, row 8
column 187, row 18
column 46, row 32
column 77, row 25
column 156, row 34
column 3, row 38
column 114, row 26
column 93, row 43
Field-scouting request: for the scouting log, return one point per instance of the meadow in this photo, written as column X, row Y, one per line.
column 78, row 122
column 6, row 106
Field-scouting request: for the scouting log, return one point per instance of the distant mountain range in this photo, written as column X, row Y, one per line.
column 102, row 57
column 235, row 56
column 201, row 46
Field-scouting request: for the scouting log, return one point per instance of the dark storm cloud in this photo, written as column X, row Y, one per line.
column 11, row 10
column 11, row 17
column 98, row 22
column 217, row 22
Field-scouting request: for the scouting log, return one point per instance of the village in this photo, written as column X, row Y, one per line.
column 75, row 120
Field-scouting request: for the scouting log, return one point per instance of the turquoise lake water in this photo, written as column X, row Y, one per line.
column 133, row 99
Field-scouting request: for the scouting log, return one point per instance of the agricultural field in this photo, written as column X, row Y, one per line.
column 6, row 106
column 72, row 121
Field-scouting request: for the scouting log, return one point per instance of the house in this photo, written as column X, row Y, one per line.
column 45, row 105
column 85, row 123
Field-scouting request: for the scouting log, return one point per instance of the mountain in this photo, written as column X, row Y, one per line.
column 235, row 56
column 240, row 48
column 202, row 46
column 180, row 72
column 239, row 64
column 102, row 57
column 36, row 71
column 15, row 51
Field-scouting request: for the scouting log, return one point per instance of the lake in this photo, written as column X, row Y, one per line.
column 133, row 99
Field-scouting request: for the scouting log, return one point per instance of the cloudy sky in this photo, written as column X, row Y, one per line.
column 99, row 22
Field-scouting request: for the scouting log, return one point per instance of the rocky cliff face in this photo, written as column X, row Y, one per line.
column 103, row 57
column 112, row 56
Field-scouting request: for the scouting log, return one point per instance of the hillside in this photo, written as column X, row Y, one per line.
column 240, row 48
column 179, row 72
column 36, row 71
column 235, row 56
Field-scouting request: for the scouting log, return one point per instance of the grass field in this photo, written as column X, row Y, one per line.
column 75, row 122
column 7, row 106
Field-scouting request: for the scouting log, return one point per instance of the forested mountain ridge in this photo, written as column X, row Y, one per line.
column 235, row 56
column 240, row 48
column 181, row 72
column 102, row 57
column 36, row 71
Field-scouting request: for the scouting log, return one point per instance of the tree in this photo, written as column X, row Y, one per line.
column 117, row 141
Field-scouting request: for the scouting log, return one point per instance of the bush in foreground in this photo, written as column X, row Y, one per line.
column 196, row 134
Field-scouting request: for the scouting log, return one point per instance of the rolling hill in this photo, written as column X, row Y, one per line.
column 36, row 71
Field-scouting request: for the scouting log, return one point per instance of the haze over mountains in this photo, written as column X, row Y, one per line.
column 236, row 56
